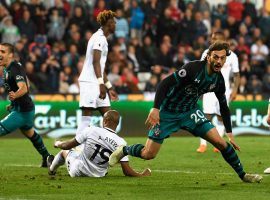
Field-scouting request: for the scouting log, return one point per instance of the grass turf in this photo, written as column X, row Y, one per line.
column 178, row 172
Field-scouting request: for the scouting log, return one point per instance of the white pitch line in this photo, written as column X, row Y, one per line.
column 154, row 170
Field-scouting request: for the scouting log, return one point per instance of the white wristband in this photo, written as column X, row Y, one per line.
column 100, row 81
column 108, row 85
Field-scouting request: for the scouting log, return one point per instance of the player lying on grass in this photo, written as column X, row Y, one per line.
column 99, row 143
column 175, row 107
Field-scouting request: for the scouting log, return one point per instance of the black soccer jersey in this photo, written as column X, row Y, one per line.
column 13, row 74
column 181, row 91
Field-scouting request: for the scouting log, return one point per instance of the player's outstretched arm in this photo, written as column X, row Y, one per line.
column 66, row 145
column 128, row 171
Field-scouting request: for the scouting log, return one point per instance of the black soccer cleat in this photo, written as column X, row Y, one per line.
column 44, row 162
column 50, row 159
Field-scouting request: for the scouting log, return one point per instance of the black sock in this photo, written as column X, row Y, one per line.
column 133, row 150
column 39, row 145
column 231, row 157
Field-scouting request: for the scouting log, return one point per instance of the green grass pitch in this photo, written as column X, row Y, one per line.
column 178, row 172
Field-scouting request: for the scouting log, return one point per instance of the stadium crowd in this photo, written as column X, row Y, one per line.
column 152, row 39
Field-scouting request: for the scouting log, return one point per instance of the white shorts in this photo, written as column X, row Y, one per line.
column 74, row 163
column 210, row 103
column 89, row 96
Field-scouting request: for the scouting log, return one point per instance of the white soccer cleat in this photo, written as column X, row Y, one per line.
column 116, row 156
column 252, row 178
column 267, row 170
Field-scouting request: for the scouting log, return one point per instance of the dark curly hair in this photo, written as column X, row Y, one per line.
column 218, row 46
column 104, row 16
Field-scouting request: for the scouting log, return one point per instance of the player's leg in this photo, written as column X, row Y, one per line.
column 169, row 122
column 209, row 107
column 220, row 129
column 11, row 123
column 230, row 156
column 88, row 97
column 85, row 120
column 55, row 162
column 37, row 142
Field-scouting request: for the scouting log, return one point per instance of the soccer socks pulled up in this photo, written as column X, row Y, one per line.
column 39, row 145
column 133, row 150
column 231, row 157
column 57, row 162
column 83, row 124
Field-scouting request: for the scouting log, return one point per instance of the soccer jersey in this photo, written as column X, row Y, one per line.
column 99, row 143
column 230, row 66
column 98, row 42
column 13, row 74
column 192, row 80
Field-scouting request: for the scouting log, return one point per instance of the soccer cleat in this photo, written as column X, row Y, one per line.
column 116, row 156
column 252, row 178
column 202, row 148
column 216, row 150
column 267, row 171
column 50, row 159
column 44, row 162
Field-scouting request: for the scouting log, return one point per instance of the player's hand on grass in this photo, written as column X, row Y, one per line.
column 113, row 95
column 153, row 118
column 57, row 144
column 146, row 172
column 103, row 91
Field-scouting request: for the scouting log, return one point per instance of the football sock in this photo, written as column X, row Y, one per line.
column 39, row 145
column 231, row 157
column 57, row 161
column 133, row 150
column 203, row 142
column 220, row 128
column 83, row 124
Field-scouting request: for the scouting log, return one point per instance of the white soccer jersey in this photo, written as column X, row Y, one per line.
column 210, row 102
column 99, row 42
column 99, row 143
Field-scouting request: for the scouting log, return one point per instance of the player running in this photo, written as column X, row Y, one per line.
column 175, row 107
column 22, row 109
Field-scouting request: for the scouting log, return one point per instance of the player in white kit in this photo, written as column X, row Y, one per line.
column 267, row 170
column 99, row 143
column 93, row 81
column 210, row 102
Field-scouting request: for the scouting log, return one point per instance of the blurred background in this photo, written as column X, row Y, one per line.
column 153, row 38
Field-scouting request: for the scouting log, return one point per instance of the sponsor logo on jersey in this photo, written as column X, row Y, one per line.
column 19, row 77
column 182, row 73
column 197, row 81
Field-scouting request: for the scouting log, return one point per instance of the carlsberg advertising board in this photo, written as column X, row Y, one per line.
column 58, row 119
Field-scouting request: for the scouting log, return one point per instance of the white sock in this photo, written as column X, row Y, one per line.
column 220, row 128
column 203, row 142
column 83, row 124
column 57, row 161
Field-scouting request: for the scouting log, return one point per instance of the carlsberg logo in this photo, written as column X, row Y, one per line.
column 253, row 119
column 61, row 124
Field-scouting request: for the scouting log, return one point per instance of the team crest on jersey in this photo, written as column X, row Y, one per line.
column 19, row 77
column 212, row 86
column 182, row 73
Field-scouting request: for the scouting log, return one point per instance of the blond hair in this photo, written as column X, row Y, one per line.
column 104, row 16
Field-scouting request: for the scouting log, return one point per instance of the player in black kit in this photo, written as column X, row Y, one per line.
column 22, row 109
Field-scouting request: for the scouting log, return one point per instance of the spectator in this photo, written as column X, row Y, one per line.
column 10, row 32
column 136, row 20
column 250, row 10
column 242, row 89
column 122, row 26
column 74, row 86
column 235, row 9
column 254, row 85
column 26, row 26
column 151, row 85
column 266, row 81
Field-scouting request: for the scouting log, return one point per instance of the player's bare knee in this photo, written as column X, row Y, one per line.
column 148, row 155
